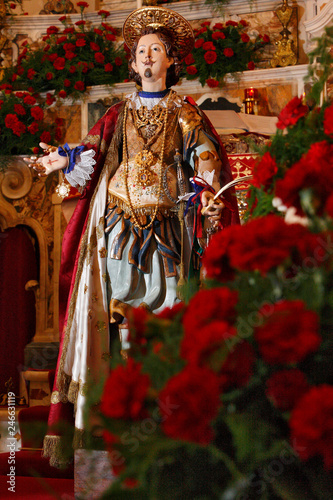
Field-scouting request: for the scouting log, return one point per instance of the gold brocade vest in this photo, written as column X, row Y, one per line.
column 144, row 132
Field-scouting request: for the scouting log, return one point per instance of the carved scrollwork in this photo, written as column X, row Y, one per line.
column 17, row 179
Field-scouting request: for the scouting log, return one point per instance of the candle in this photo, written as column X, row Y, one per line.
column 251, row 93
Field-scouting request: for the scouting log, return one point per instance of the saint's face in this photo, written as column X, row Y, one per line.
column 152, row 61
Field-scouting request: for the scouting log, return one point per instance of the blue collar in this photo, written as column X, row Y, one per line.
column 161, row 94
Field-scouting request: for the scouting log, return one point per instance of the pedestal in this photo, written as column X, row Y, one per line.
column 92, row 473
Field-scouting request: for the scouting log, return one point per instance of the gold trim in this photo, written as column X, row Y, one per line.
column 58, row 397
column 54, row 449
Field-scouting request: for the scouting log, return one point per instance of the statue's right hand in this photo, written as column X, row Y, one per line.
column 51, row 162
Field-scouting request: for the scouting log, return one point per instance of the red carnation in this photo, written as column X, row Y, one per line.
column 218, row 35
column 210, row 57
column 30, row 100
column 62, row 19
column 313, row 171
column 199, row 346
column 191, row 70
column 94, row 46
column 266, row 39
column 171, row 313
column 231, row 23
column 329, row 206
column 14, row 77
column 209, row 46
column 110, row 37
column 108, row 67
column 243, row 22
column 59, row 63
column 80, row 23
column 289, row 334
column 98, row 31
column 250, row 65
column 311, row 425
column 328, row 120
column 49, row 76
column 72, row 69
column 37, row 113
column 82, row 5
column 228, row 52
column 182, row 416
column 33, row 128
column 79, row 85
column 67, row 83
column 199, row 43
column 125, row 391
column 245, row 37
column 264, row 171
column 218, row 26
column 19, row 109
column 70, row 29
column 103, row 13
column 189, row 59
column 61, row 40
column 20, row 70
column 31, row 73
column 80, row 42
column 118, row 61
column 52, row 57
column 137, row 320
column 291, row 113
column 58, row 134
column 212, row 83
column 286, row 387
column 237, row 369
column 216, row 304
column 99, row 57
column 70, row 55
column 62, row 94
column 205, row 23
column 52, row 30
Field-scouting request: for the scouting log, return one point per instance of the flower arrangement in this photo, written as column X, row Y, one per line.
column 70, row 59
column 224, row 48
column 22, row 123
column 229, row 394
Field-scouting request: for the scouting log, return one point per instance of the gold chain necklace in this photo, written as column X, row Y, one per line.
column 125, row 159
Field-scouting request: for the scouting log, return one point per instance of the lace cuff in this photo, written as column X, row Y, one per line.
column 84, row 167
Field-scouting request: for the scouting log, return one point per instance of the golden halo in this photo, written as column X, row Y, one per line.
column 159, row 17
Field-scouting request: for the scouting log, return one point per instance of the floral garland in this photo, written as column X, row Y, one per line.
column 70, row 60
column 222, row 49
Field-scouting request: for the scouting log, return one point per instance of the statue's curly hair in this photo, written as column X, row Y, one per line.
column 166, row 38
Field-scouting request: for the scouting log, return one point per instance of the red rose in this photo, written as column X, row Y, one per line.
column 191, row 70
column 70, row 55
column 99, row 58
column 59, row 63
column 313, row 171
column 286, row 387
column 52, row 30
column 19, row 109
column 49, row 76
column 199, row 346
column 228, row 52
column 218, row 35
column 33, row 128
column 212, row 83
column 67, row 83
column 62, row 94
column 189, row 59
column 328, row 120
column 216, row 304
column 250, row 65
column 237, row 369
column 118, row 61
column 288, row 334
column 291, row 113
column 80, row 42
column 108, row 67
column 94, row 46
column 210, row 57
column 311, row 425
column 110, row 37
column 30, row 100
column 218, row 26
column 199, row 43
column 245, row 38
column 182, row 416
column 209, row 46
column 37, row 113
column 79, row 85
column 125, row 391
column 264, row 171
column 31, row 73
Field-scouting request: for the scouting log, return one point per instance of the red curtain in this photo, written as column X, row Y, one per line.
column 18, row 265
